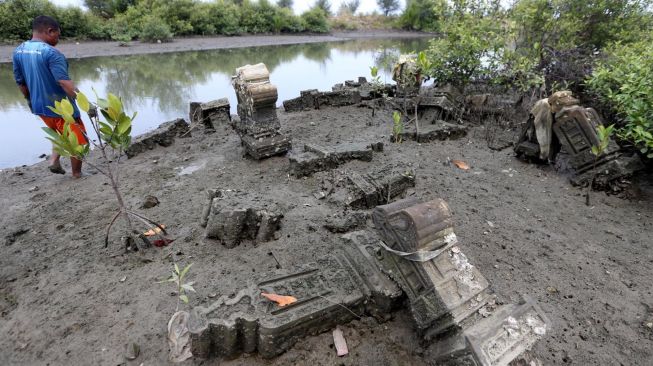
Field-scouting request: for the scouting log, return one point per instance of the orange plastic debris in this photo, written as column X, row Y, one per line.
column 279, row 299
column 154, row 231
column 461, row 164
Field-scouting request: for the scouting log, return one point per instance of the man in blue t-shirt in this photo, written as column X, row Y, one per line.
column 41, row 72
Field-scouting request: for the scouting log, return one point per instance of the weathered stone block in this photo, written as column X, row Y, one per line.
column 210, row 113
column 313, row 99
column 443, row 287
column 497, row 340
column 164, row 136
column 317, row 158
column 364, row 191
column 576, row 128
column 267, row 146
column 327, row 292
column 439, row 131
column 232, row 219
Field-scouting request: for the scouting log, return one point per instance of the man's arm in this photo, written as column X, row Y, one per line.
column 24, row 90
column 20, row 79
column 59, row 69
column 69, row 87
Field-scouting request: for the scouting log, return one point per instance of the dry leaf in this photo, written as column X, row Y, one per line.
column 461, row 164
column 152, row 232
column 279, row 299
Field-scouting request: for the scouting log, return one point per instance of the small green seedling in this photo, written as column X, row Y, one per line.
column 604, row 134
column 177, row 278
column 397, row 127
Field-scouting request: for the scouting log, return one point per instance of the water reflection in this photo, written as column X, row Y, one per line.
column 160, row 86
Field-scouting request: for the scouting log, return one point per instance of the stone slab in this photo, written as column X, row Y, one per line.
column 330, row 291
column 265, row 147
column 164, row 135
column 317, row 158
column 233, row 218
column 507, row 334
column 210, row 113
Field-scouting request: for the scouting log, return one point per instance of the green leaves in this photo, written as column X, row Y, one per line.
column 114, row 131
column 82, row 102
column 604, row 134
column 397, row 127
column 177, row 278
column 624, row 80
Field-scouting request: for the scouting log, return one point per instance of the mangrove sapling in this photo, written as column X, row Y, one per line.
column 397, row 127
column 604, row 134
column 183, row 288
column 114, row 136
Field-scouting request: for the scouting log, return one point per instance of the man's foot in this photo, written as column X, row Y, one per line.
column 56, row 169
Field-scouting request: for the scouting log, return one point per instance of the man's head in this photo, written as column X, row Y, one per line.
column 46, row 29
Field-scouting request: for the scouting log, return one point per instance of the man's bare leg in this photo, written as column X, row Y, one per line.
column 55, row 163
column 76, row 165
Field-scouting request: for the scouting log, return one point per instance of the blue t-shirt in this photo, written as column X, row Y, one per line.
column 39, row 66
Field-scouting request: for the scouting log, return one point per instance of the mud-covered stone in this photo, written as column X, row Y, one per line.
column 364, row 191
column 317, row 158
column 329, row 292
column 267, row 146
column 342, row 223
column 210, row 113
column 438, row 131
column 444, row 289
column 500, row 339
column 164, row 135
column 234, row 218
column 575, row 127
column 313, row 99
column 258, row 124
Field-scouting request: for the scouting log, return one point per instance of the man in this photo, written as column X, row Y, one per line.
column 41, row 72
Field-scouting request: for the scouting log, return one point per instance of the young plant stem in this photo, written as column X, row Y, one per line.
column 589, row 188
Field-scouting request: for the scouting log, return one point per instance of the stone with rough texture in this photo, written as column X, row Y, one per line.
column 329, row 292
column 364, row 191
column 211, row 113
column 439, row 131
column 317, row 158
column 164, row 136
column 258, row 124
column 234, row 218
column 498, row 340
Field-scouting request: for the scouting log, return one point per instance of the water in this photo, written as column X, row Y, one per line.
column 161, row 86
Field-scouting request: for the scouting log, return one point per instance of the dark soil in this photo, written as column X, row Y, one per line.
column 66, row 300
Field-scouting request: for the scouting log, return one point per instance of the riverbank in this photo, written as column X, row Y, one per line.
column 77, row 50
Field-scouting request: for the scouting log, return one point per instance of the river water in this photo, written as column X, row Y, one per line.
column 161, row 86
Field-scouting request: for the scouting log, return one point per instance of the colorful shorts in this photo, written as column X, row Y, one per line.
column 78, row 128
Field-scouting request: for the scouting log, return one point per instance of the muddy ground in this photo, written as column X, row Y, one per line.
column 66, row 300
column 74, row 50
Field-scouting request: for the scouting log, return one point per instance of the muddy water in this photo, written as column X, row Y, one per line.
column 160, row 86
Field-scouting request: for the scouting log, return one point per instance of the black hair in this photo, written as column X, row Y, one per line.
column 43, row 22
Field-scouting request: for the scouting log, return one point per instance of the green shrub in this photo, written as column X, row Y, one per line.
column 98, row 28
column 625, row 81
column 175, row 13
column 122, row 30
column 470, row 49
column 155, row 30
column 16, row 17
column 315, row 20
column 257, row 17
column 285, row 21
column 423, row 15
